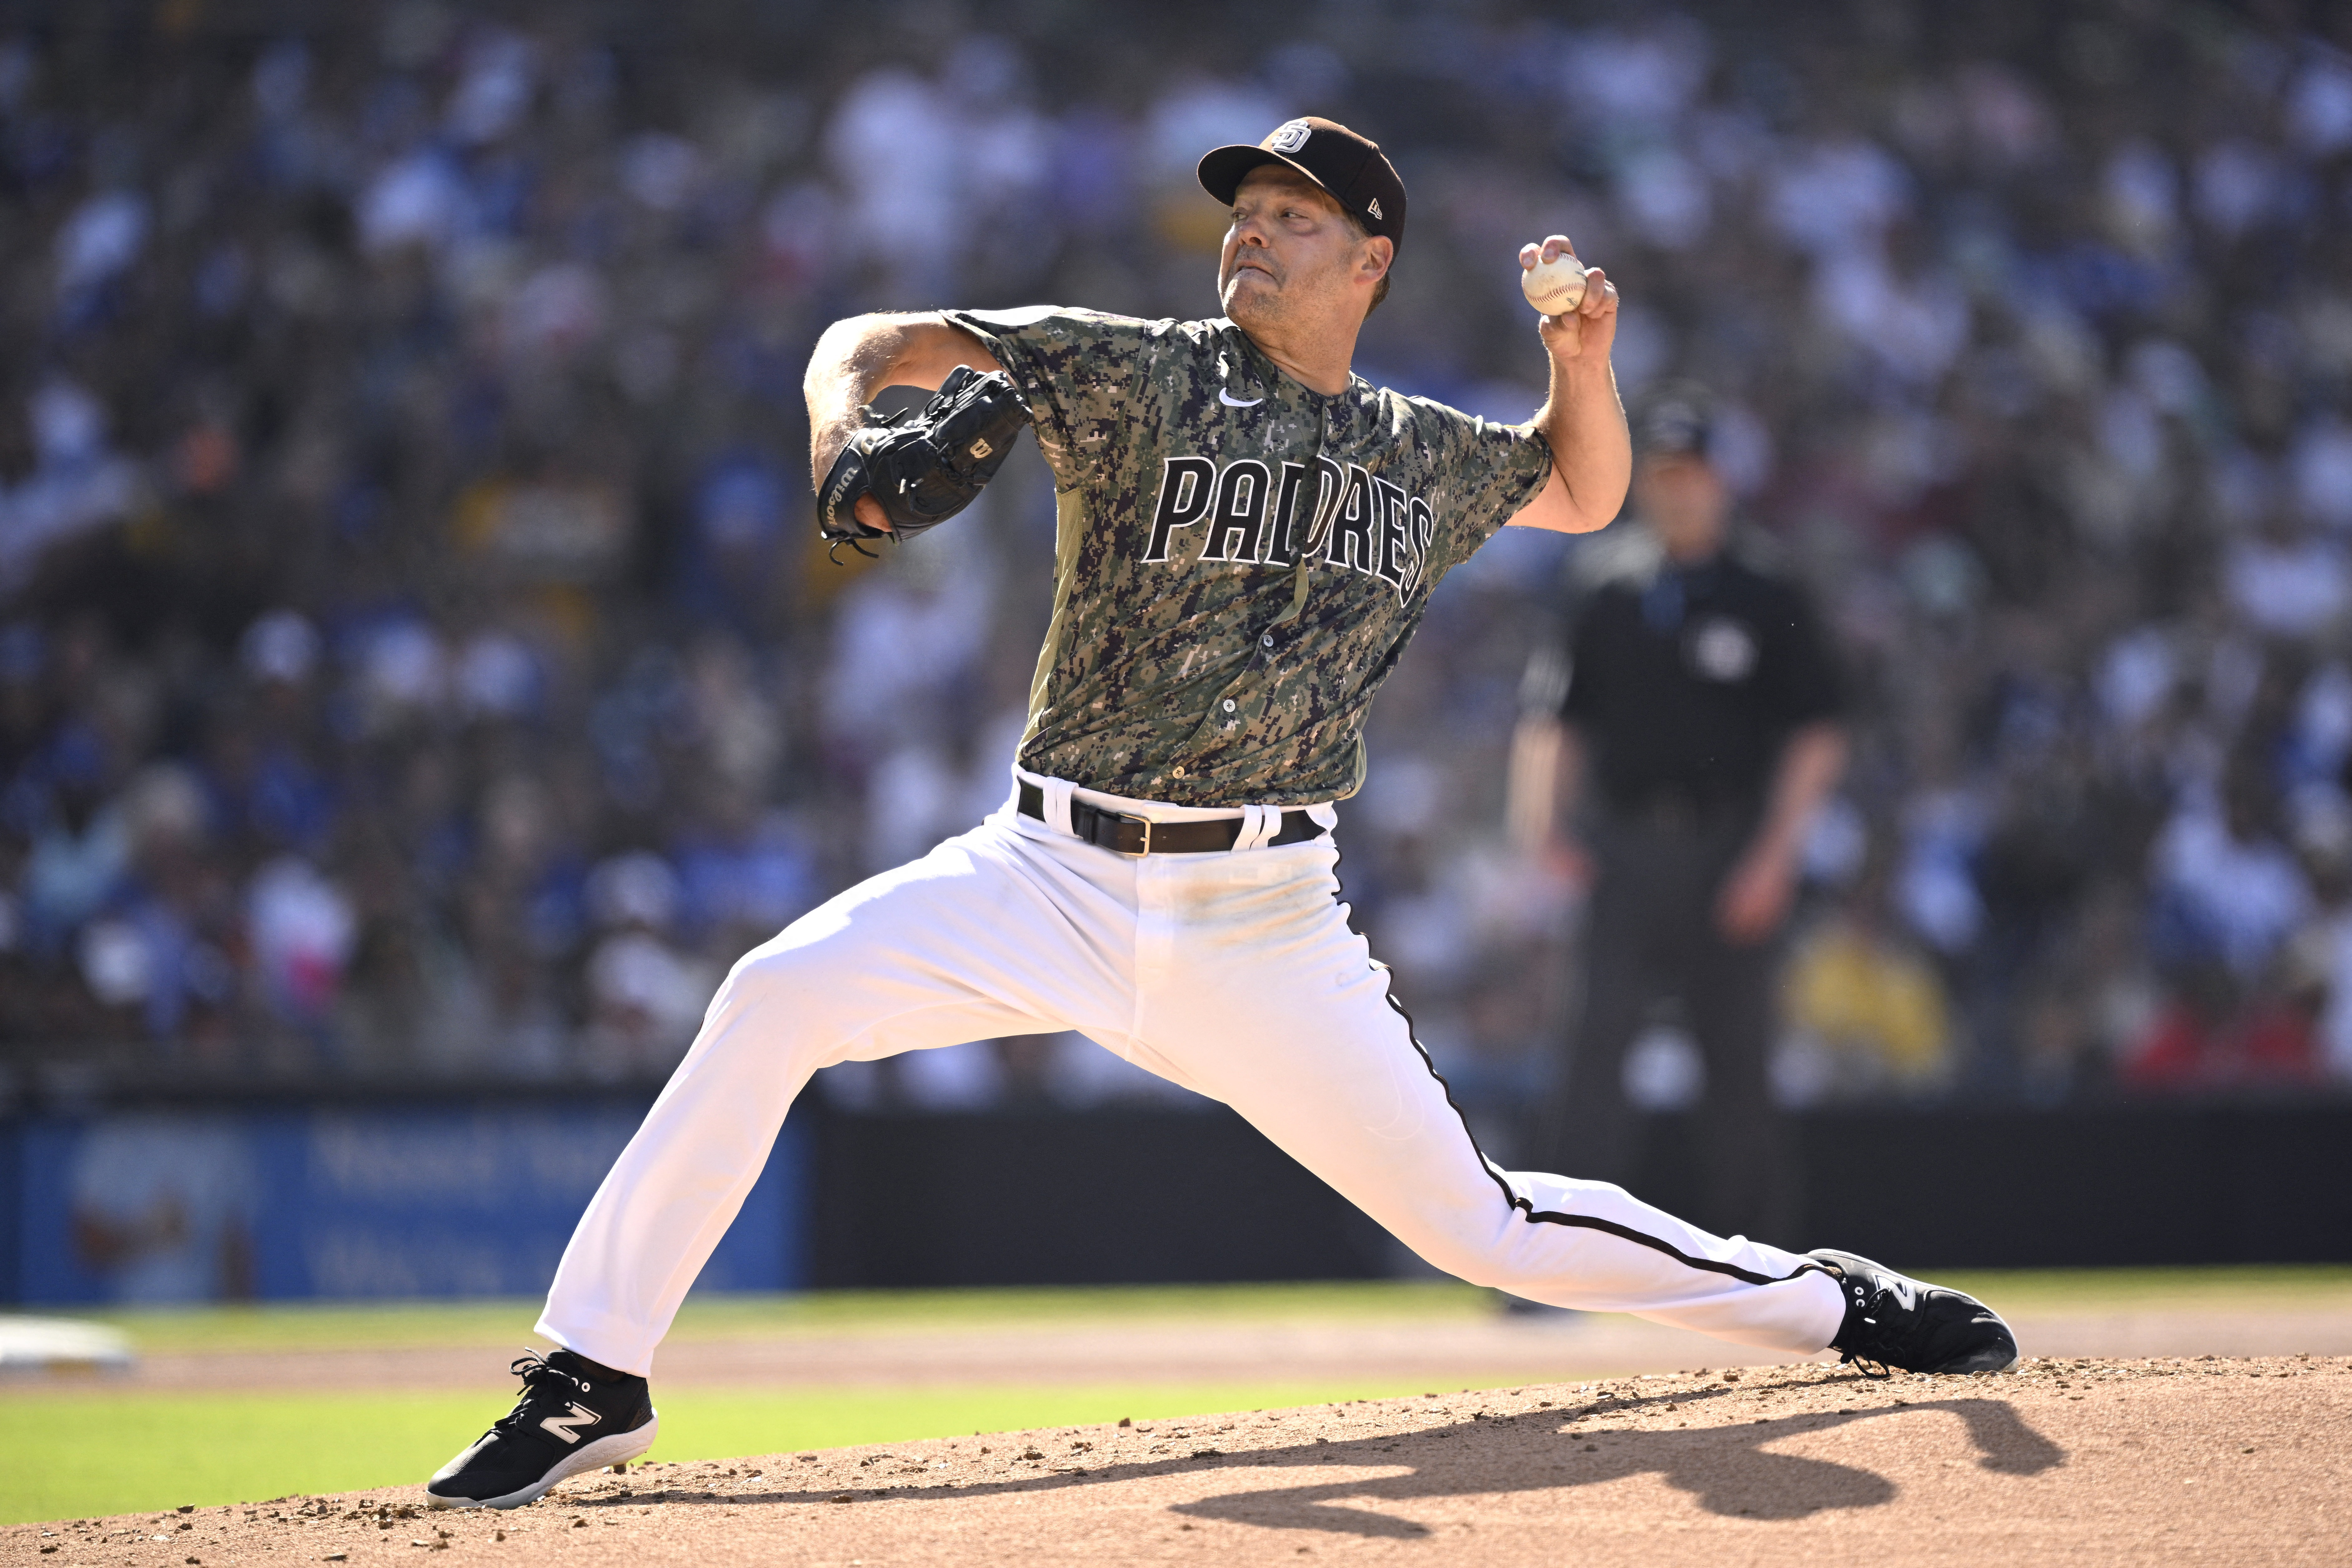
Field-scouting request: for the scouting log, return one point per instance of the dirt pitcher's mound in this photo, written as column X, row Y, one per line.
column 2064, row 1461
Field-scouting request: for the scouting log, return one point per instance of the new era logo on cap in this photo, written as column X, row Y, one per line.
column 1350, row 166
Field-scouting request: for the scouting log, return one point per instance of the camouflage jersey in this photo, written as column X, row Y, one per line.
column 1183, row 663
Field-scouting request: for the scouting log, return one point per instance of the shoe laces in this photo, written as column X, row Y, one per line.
column 1863, row 1364
column 542, row 1383
column 1872, row 1311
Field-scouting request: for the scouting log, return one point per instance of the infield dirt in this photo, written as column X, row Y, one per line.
column 2072, row 1461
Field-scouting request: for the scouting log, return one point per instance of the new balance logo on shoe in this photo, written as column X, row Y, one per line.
column 571, row 1418
column 561, row 1425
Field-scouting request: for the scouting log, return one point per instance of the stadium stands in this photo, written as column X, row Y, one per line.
column 415, row 660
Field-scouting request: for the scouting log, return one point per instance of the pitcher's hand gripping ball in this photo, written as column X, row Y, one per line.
column 1554, row 287
column 924, row 469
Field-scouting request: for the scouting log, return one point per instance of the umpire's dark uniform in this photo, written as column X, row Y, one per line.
column 1683, row 682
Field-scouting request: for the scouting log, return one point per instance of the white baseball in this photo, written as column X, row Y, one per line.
column 1554, row 287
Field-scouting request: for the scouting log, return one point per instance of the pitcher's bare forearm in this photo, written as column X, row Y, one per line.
column 1582, row 416
column 860, row 355
column 1591, row 453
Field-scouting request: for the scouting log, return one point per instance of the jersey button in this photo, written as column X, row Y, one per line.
column 1228, row 704
column 1178, row 772
column 1267, row 641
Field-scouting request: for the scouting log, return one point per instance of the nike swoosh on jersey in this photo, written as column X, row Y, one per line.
column 1230, row 400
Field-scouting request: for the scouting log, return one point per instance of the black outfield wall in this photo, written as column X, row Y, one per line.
column 1169, row 1196
column 1141, row 1196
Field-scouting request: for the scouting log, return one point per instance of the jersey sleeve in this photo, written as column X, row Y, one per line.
column 1075, row 369
column 1491, row 472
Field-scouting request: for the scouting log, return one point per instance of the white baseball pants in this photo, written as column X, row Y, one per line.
column 1233, row 974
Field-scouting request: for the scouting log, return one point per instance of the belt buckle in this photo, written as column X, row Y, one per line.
column 1145, row 822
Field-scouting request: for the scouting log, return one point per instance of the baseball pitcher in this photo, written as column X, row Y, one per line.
column 1248, row 534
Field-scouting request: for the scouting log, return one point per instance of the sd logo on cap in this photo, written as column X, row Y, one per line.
column 1351, row 167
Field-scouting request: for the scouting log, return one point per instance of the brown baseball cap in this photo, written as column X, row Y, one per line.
column 1352, row 168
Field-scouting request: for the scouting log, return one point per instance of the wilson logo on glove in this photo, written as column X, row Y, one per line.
column 922, row 472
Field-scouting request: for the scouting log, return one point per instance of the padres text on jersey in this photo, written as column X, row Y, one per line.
column 1191, row 475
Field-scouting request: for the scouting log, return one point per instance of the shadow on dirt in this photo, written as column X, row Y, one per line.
column 1729, row 1470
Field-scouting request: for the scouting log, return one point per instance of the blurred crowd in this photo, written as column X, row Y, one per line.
column 416, row 659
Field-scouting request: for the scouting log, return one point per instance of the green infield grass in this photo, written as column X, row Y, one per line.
column 71, row 1450
column 82, row 1455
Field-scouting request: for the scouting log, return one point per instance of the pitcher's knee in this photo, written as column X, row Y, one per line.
column 1488, row 1267
column 1490, row 1273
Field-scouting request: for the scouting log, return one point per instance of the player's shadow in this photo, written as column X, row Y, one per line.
column 1743, row 1479
column 1729, row 1470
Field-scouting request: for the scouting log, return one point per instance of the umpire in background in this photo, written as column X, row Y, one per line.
column 1683, row 742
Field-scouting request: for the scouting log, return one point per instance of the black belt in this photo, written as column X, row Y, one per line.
column 1138, row 836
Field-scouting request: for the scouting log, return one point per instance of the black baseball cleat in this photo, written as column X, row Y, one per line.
column 1908, row 1324
column 573, row 1416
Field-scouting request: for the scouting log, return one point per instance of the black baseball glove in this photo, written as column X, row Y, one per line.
column 925, row 470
